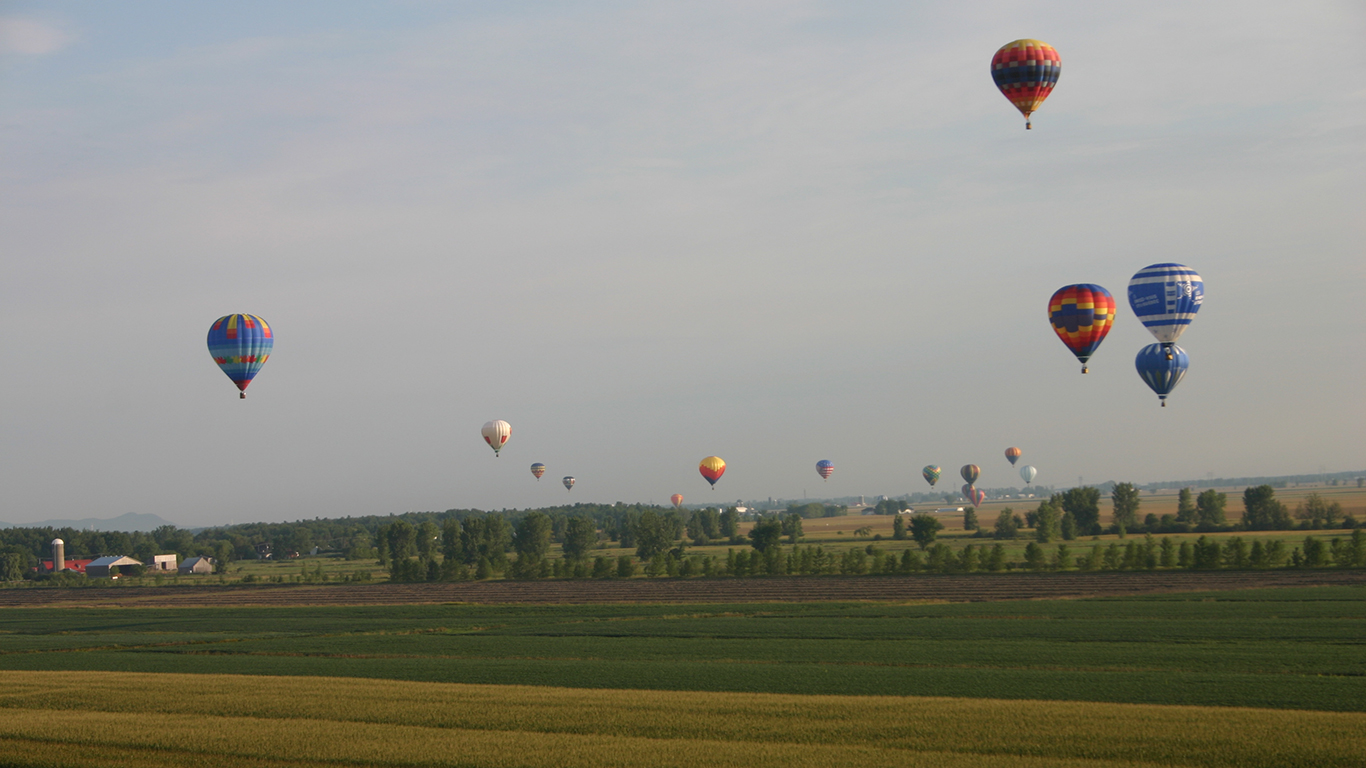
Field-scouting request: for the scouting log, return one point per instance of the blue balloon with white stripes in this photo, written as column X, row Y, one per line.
column 1166, row 297
column 1162, row 366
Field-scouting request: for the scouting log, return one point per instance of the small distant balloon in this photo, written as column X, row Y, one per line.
column 973, row 495
column 970, row 473
column 568, row 483
column 240, row 344
column 1028, row 473
column 677, row 500
column 1082, row 315
column 931, row 474
column 496, row 434
column 1026, row 71
column 1162, row 366
column 538, row 469
column 712, row 468
column 1013, row 454
column 1166, row 297
column 825, row 468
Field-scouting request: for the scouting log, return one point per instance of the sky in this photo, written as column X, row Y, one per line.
column 643, row 234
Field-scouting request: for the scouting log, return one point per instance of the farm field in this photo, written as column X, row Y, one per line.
column 122, row 719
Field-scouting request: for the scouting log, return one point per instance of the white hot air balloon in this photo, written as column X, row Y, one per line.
column 496, row 434
column 1028, row 473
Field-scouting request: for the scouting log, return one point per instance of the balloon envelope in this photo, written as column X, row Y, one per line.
column 1160, row 373
column 970, row 473
column 538, row 469
column 1166, row 297
column 496, row 434
column 825, row 468
column 568, row 483
column 1013, row 454
column 1026, row 72
column 931, row 474
column 1082, row 315
column 973, row 495
column 677, row 500
column 712, row 468
column 240, row 344
column 1028, row 473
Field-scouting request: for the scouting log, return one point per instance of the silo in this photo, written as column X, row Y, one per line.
column 58, row 555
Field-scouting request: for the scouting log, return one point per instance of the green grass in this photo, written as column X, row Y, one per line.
column 1283, row 648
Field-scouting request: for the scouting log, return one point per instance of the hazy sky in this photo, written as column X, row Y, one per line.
column 643, row 233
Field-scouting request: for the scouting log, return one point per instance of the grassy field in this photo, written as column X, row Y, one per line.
column 1274, row 648
column 120, row 719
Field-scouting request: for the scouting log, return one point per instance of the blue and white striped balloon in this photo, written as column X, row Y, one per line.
column 1166, row 297
column 1162, row 366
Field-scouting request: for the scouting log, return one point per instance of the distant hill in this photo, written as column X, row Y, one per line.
column 128, row 522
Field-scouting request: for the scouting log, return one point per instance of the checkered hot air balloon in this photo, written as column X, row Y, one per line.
column 1162, row 366
column 496, row 434
column 712, row 468
column 825, row 468
column 1166, row 297
column 931, row 474
column 1026, row 71
column 1082, row 315
column 241, row 344
column 538, row 469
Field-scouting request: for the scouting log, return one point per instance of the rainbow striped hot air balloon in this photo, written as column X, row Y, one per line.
column 538, row 469
column 970, row 473
column 496, row 434
column 1082, row 315
column 712, row 468
column 931, row 474
column 974, row 495
column 240, row 344
column 1026, row 71
column 825, row 468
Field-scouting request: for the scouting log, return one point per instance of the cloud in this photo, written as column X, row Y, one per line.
column 26, row 36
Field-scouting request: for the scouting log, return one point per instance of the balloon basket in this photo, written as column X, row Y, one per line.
column 241, row 395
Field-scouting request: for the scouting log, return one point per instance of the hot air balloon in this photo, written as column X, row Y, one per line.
column 1081, row 316
column 677, row 500
column 496, row 434
column 1026, row 71
column 1162, row 366
column 973, row 495
column 970, row 473
column 1028, row 473
column 568, row 483
column 1166, row 297
column 931, row 474
column 240, row 344
column 1013, row 454
column 825, row 468
column 712, row 468
column 538, row 469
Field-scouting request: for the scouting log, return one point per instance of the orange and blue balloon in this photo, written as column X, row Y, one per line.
column 241, row 344
column 825, row 468
column 1082, row 315
column 712, row 468
column 1162, row 366
column 1013, row 455
column 1026, row 71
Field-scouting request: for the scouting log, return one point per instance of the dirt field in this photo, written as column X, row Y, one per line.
column 961, row 588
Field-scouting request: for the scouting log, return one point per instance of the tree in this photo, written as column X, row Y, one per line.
column 651, row 535
column 1209, row 508
column 532, row 539
column 1125, row 500
column 730, row 525
column 765, row 534
column 626, row 567
column 1062, row 559
column 923, row 529
column 1185, row 507
column 427, row 535
column 792, row 527
column 899, row 528
column 1068, row 527
column 580, row 535
column 996, row 561
column 1084, row 504
column 970, row 519
column 1261, row 510
column 12, row 565
column 1005, row 525
column 1319, row 513
column 1034, row 557
column 1046, row 523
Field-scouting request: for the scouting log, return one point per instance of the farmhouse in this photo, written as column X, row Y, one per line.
column 78, row 566
column 162, row 563
column 196, row 565
column 99, row 569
